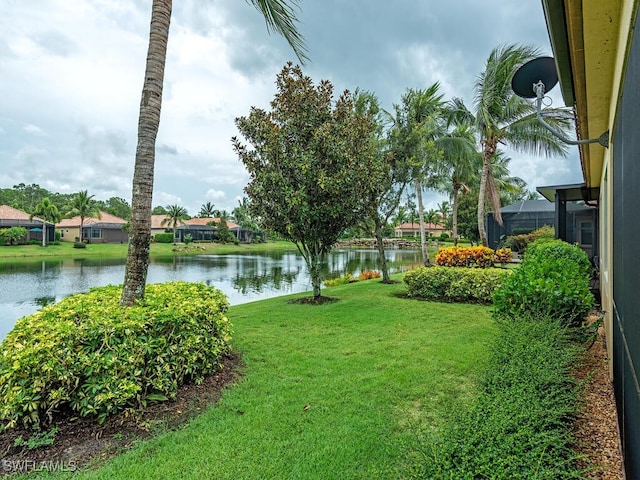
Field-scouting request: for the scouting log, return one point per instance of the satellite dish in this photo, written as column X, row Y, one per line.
column 541, row 69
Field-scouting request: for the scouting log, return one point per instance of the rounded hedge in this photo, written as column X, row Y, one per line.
column 89, row 356
column 553, row 281
column 455, row 284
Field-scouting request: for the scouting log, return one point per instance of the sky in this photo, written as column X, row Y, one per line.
column 71, row 74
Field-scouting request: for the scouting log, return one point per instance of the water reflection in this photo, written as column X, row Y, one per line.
column 27, row 286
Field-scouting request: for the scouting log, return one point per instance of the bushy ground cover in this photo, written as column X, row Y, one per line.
column 520, row 426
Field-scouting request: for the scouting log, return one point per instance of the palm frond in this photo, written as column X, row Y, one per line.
column 280, row 17
column 528, row 135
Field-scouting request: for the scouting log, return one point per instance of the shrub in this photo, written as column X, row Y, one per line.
column 553, row 281
column 557, row 249
column 188, row 239
column 14, row 235
column 454, row 284
column 368, row 275
column 164, row 237
column 79, row 245
column 520, row 423
column 334, row 282
column 478, row 256
column 503, row 256
column 89, row 356
column 519, row 241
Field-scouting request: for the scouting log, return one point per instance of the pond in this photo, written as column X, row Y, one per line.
column 26, row 286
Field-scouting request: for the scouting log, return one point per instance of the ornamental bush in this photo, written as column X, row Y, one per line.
column 368, row 275
column 454, row 284
column 553, row 281
column 478, row 256
column 164, row 237
column 519, row 241
column 88, row 356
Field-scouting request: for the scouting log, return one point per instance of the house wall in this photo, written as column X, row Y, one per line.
column 622, row 262
column 69, row 234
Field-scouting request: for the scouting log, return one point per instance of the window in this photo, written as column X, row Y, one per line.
column 586, row 232
column 96, row 233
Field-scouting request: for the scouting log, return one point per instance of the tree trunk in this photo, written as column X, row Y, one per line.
column 44, row 233
column 135, row 276
column 454, row 215
column 423, row 237
column 489, row 150
column 383, row 258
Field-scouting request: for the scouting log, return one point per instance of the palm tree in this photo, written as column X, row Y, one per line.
column 432, row 216
column 418, row 127
column 207, row 210
column 502, row 117
column 401, row 216
column 175, row 215
column 460, row 168
column 47, row 212
column 240, row 214
column 280, row 16
column 444, row 209
column 83, row 205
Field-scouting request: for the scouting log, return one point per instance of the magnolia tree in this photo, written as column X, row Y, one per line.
column 312, row 165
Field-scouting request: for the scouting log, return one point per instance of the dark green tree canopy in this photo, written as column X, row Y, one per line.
column 312, row 164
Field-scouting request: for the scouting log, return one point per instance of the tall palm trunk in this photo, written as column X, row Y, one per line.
column 423, row 237
column 488, row 152
column 454, row 213
column 135, row 276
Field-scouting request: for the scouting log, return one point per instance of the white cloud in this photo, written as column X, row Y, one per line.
column 33, row 130
column 214, row 194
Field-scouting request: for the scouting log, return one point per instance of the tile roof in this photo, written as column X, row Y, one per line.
column 156, row 222
column 104, row 218
column 10, row 213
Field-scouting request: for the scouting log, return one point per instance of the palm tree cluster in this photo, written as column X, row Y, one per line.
column 457, row 151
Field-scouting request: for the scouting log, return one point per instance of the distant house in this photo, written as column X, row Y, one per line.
column 200, row 229
column 106, row 229
column 413, row 230
column 12, row 217
column 529, row 215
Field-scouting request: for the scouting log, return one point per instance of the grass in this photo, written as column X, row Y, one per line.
column 117, row 250
column 339, row 390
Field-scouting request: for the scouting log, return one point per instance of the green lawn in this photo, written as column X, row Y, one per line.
column 376, row 371
column 65, row 249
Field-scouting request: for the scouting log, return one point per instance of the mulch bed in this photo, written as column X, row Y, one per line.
column 596, row 428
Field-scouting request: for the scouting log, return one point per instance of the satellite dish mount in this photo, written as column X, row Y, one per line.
column 533, row 80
